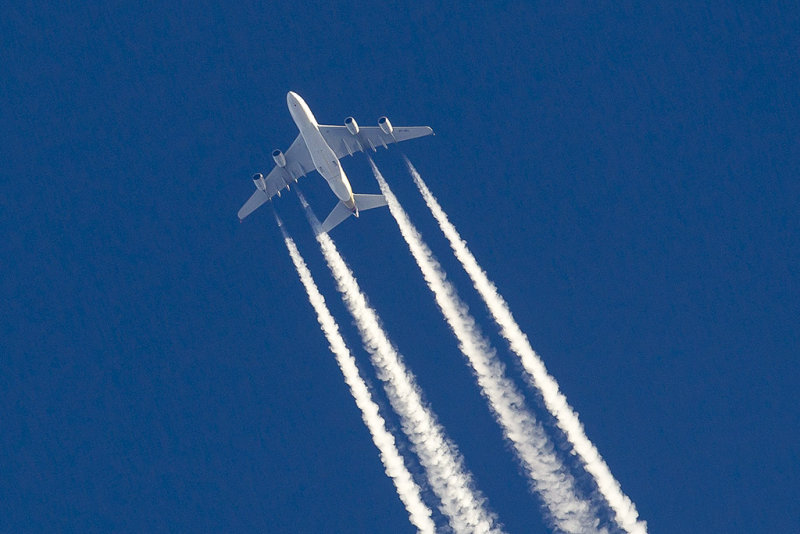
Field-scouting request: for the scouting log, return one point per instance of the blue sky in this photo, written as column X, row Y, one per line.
column 627, row 175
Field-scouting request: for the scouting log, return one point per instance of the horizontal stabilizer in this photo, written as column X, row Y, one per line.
column 342, row 212
column 339, row 213
column 367, row 202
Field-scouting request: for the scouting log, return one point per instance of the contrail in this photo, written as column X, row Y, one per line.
column 449, row 479
column 555, row 485
column 408, row 490
column 556, row 403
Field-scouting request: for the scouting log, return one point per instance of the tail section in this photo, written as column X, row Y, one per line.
column 367, row 202
column 339, row 213
column 342, row 212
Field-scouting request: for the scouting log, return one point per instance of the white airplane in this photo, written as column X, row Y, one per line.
column 320, row 147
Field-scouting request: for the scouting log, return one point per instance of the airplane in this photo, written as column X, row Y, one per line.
column 319, row 147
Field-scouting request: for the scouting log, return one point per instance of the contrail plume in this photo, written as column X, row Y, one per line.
column 447, row 476
column 408, row 490
column 625, row 512
column 548, row 476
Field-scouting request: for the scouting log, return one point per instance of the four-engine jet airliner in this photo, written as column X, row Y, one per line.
column 320, row 147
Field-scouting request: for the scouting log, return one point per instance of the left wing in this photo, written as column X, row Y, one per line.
column 298, row 164
column 345, row 143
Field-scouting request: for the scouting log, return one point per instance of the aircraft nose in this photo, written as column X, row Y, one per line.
column 291, row 97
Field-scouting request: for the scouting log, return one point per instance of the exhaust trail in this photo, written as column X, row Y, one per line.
column 448, row 477
column 548, row 476
column 625, row 513
column 408, row 490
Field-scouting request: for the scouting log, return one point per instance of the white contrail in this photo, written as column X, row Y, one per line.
column 556, row 403
column 408, row 490
column 461, row 503
column 556, row 486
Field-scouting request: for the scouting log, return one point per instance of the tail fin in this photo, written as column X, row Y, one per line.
column 342, row 212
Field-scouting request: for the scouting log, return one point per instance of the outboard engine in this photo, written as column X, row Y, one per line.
column 280, row 159
column 352, row 125
column 258, row 180
column 385, row 125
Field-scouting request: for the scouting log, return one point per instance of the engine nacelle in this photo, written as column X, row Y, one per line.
column 385, row 125
column 280, row 159
column 258, row 179
column 352, row 125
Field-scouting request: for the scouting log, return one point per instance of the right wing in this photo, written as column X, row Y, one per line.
column 298, row 164
column 344, row 143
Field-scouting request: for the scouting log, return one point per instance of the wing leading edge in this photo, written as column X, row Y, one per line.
column 298, row 164
column 345, row 143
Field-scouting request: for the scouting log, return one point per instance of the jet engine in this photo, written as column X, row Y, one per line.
column 258, row 179
column 280, row 159
column 352, row 125
column 385, row 125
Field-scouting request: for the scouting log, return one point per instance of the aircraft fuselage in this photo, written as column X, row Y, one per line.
column 324, row 158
